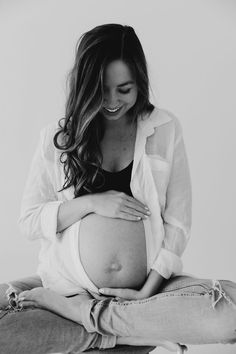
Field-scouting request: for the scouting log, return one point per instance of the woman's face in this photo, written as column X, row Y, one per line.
column 120, row 90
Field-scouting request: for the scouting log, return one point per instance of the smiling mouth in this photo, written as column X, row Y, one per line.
column 112, row 110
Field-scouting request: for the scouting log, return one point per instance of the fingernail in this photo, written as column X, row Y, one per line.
column 148, row 212
column 146, row 208
column 101, row 290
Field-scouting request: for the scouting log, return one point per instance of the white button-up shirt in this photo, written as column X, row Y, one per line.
column 160, row 179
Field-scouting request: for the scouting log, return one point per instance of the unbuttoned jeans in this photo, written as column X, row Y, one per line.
column 186, row 310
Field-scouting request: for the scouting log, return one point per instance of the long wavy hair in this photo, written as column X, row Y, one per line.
column 81, row 130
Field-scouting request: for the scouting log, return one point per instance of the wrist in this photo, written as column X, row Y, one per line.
column 152, row 284
column 88, row 204
column 145, row 292
column 91, row 203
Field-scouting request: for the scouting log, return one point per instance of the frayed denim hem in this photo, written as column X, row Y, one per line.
column 13, row 302
column 218, row 293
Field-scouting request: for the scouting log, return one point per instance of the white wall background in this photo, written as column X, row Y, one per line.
column 191, row 51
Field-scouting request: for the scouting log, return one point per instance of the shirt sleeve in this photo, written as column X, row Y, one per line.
column 40, row 205
column 177, row 215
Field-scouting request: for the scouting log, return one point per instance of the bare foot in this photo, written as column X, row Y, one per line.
column 68, row 307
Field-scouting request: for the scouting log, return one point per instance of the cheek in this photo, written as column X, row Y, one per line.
column 133, row 98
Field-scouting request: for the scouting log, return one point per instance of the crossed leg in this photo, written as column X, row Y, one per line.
column 187, row 310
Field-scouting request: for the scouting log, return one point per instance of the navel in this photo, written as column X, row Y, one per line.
column 114, row 267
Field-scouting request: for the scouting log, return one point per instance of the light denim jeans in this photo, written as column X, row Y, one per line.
column 187, row 310
column 40, row 331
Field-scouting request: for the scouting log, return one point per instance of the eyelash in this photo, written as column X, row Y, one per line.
column 125, row 92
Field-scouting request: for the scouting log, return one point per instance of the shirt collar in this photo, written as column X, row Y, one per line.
column 146, row 127
column 148, row 122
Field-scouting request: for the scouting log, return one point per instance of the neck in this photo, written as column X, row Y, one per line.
column 118, row 125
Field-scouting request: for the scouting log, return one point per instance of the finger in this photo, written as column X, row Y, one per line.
column 28, row 295
column 127, row 216
column 136, row 202
column 142, row 209
column 26, row 304
column 110, row 291
column 134, row 212
column 24, row 295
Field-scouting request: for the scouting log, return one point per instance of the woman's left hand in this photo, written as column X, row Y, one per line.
column 127, row 294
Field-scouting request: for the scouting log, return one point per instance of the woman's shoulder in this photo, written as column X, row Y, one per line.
column 47, row 134
column 160, row 116
column 50, row 129
column 161, row 121
column 163, row 130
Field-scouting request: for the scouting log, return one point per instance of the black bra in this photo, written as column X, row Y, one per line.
column 121, row 171
column 118, row 181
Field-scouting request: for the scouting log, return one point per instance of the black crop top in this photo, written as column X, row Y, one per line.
column 119, row 181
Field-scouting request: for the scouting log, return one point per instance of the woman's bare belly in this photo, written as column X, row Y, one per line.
column 113, row 251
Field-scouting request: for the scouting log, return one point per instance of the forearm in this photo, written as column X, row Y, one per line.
column 73, row 210
column 152, row 284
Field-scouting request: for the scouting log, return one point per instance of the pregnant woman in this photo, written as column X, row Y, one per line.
column 109, row 195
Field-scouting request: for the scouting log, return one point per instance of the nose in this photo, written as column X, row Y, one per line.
column 111, row 100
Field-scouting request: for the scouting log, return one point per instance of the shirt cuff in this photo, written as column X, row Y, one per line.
column 167, row 263
column 49, row 219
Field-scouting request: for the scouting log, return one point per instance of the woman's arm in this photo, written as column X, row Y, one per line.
column 150, row 288
column 42, row 214
column 176, row 221
column 113, row 204
column 39, row 205
column 73, row 210
column 152, row 284
column 177, row 215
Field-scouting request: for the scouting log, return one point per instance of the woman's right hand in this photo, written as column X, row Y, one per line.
column 116, row 204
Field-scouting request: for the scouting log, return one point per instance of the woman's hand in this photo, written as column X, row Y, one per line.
column 127, row 294
column 116, row 204
column 150, row 287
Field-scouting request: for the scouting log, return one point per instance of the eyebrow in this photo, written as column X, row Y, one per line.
column 126, row 83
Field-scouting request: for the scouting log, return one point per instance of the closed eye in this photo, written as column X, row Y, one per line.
column 124, row 91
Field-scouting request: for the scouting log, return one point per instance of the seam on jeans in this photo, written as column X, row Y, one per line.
column 144, row 301
column 205, row 287
column 215, row 291
column 12, row 311
column 3, row 313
